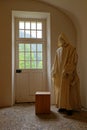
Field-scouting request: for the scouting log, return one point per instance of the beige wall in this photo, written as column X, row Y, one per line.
column 59, row 23
column 77, row 11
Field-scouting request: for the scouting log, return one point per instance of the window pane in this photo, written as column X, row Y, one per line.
column 21, row 47
column 33, row 34
column 39, row 56
column 33, row 47
column 21, row 33
column 33, row 56
column 21, row 25
column 21, row 55
column 27, row 64
column 27, row 47
column 39, row 26
column 39, row 65
column 27, row 56
column 39, row 34
column 39, row 47
column 21, row 64
column 33, row 64
column 27, row 34
column 33, row 25
column 27, row 25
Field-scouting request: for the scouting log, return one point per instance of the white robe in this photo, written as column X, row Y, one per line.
column 65, row 78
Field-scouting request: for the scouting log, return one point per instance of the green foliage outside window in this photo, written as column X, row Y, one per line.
column 30, row 57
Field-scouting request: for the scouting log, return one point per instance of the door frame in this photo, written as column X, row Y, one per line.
column 31, row 15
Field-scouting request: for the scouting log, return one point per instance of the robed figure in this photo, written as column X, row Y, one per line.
column 65, row 78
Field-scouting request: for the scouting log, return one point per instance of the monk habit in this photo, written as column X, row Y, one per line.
column 64, row 75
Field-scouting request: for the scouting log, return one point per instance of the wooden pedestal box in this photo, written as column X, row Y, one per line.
column 42, row 103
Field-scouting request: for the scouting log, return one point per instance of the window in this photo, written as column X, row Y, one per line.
column 30, row 56
column 30, row 29
column 30, row 43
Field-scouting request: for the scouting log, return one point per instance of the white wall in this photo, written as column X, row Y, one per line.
column 59, row 22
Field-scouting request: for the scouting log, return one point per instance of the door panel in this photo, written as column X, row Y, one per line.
column 27, row 84
column 36, row 82
column 21, row 87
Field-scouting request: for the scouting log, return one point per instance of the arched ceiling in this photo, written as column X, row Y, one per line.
column 75, row 9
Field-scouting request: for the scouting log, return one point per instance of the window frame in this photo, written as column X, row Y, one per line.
column 30, row 40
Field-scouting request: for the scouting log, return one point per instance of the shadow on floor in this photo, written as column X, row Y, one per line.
column 52, row 116
column 80, row 116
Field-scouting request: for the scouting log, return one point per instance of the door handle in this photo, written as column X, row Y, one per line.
column 18, row 71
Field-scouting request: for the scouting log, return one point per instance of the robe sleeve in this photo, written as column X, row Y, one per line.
column 54, row 68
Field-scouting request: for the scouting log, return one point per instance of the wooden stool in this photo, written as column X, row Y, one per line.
column 42, row 104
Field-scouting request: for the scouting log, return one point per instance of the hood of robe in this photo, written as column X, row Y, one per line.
column 62, row 40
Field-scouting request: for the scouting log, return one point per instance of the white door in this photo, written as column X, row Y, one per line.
column 31, row 56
